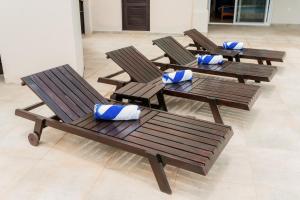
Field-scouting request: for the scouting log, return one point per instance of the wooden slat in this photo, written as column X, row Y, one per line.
column 129, row 129
column 125, row 124
column 166, row 149
column 139, row 59
column 178, row 139
column 197, row 138
column 201, row 40
column 81, row 85
column 47, row 99
column 175, row 145
column 65, row 92
column 56, row 99
column 125, row 88
column 173, row 122
column 202, row 133
column 62, row 94
column 175, row 50
column 145, row 89
column 69, row 84
column 135, row 64
column 72, row 94
column 210, row 125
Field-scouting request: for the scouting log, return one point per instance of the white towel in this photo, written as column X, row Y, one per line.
column 210, row 59
column 178, row 76
column 233, row 45
column 116, row 112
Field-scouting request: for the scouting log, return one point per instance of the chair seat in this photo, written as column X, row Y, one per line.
column 204, row 88
column 194, row 142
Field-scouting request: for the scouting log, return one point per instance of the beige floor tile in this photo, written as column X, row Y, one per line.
column 56, row 179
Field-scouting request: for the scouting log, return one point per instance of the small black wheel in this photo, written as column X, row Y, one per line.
column 34, row 139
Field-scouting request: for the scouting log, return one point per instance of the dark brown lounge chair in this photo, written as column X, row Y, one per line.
column 181, row 58
column 202, row 43
column 202, row 88
column 161, row 137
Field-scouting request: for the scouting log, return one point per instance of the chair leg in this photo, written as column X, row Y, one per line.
column 241, row 80
column 230, row 59
column 164, row 68
column 237, row 59
column 215, row 111
column 146, row 103
column 34, row 138
column 117, row 98
column 159, row 173
column 161, row 101
column 259, row 61
column 269, row 62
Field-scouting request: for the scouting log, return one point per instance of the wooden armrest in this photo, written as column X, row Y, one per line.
column 166, row 66
column 34, row 106
column 159, row 57
column 109, row 81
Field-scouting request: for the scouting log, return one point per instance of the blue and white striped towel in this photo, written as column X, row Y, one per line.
column 210, row 59
column 233, row 45
column 116, row 112
column 178, row 76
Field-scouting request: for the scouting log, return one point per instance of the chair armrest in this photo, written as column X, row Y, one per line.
column 225, row 6
column 109, row 81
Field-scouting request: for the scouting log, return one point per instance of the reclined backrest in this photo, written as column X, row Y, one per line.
column 201, row 39
column 175, row 50
column 66, row 93
column 139, row 68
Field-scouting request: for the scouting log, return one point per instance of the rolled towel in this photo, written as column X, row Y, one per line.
column 233, row 45
column 210, row 59
column 116, row 112
column 178, row 76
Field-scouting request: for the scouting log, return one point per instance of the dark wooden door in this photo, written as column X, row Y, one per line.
column 136, row 15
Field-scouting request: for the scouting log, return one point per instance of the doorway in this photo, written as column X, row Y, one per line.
column 1, row 67
column 136, row 15
column 246, row 12
column 81, row 9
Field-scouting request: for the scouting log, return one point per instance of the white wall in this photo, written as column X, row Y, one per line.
column 88, row 20
column 166, row 16
column 107, row 15
column 39, row 34
column 173, row 16
column 286, row 12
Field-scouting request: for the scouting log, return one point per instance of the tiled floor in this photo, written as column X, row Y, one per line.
column 260, row 162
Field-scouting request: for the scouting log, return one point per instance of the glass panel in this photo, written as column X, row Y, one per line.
column 252, row 11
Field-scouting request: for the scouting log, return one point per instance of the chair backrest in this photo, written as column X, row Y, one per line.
column 201, row 40
column 139, row 68
column 175, row 50
column 66, row 93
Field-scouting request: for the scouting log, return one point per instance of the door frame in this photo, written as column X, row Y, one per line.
column 267, row 22
column 124, row 28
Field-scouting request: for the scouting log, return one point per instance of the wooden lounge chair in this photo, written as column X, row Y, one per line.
column 202, row 88
column 161, row 137
column 202, row 43
column 181, row 58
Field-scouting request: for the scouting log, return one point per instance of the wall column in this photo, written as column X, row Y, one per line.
column 37, row 35
column 200, row 15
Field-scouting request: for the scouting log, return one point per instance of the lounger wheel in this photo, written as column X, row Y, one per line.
column 34, row 139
